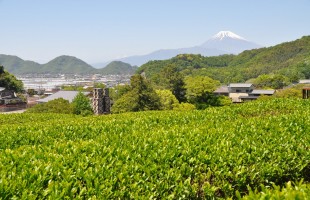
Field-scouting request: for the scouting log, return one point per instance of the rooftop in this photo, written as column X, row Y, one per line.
column 240, row 85
column 304, row 81
column 263, row 92
column 222, row 89
column 67, row 95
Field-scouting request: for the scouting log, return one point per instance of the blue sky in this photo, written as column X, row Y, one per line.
column 100, row 30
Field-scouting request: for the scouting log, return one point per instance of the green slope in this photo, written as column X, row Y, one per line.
column 118, row 68
column 61, row 65
column 217, row 153
column 67, row 65
column 288, row 58
column 16, row 65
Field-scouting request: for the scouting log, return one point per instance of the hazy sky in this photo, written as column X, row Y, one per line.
column 100, row 30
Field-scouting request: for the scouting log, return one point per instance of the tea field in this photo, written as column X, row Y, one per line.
column 256, row 150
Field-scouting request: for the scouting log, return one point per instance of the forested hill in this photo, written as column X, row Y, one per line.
column 61, row 65
column 291, row 59
column 117, row 68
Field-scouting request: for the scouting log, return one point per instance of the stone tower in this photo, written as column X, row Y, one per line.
column 101, row 101
column 106, row 102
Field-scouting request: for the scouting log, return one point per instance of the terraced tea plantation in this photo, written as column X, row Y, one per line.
column 253, row 150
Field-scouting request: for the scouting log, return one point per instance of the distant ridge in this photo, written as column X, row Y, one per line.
column 61, row 65
column 291, row 59
column 224, row 42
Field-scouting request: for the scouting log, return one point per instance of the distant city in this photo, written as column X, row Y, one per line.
column 48, row 82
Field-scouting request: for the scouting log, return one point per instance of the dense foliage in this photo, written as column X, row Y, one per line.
column 82, row 105
column 275, row 81
column 167, row 100
column 291, row 59
column 140, row 97
column 171, row 79
column 9, row 81
column 289, row 192
column 59, row 105
column 220, row 152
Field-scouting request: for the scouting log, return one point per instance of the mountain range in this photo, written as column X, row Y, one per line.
column 289, row 59
column 224, row 42
column 62, row 65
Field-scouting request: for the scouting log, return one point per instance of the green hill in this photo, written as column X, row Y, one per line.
column 61, row 65
column 291, row 59
column 118, row 68
column 67, row 65
column 16, row 65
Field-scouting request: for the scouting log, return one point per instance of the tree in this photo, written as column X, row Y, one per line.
column 118, row 91
column 275, row 81
column 167, row 100
column 199, row 91
column 59, row 105
column 9, row 81
column 291, row 92
column 82, row 105
column 72, row 88
column 141, row 96
column 170, row 78
column 127, row 103
column 99, row 85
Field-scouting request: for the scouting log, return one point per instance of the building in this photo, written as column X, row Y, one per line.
column 9, row 101
column 67, row 95
column 257, row 93
column 239, row 92
column 223, row 91
column 306, row 81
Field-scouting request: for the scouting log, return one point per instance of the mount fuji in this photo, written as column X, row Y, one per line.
column 224, row 42
column 229, row 42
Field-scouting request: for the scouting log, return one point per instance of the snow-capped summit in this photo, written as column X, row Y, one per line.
column 227, row 34
column 229, row 42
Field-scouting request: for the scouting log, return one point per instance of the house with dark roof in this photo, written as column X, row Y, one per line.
column 223, row 90
column 239, row 92
column 256, row 93
column 240, row 87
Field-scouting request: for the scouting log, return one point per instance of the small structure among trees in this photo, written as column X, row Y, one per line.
column 101, row 101
column 9, row 101
column 306, row 93
column 239, row 92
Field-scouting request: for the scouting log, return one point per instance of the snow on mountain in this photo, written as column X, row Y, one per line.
column 229, row 42
column 226, row 34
